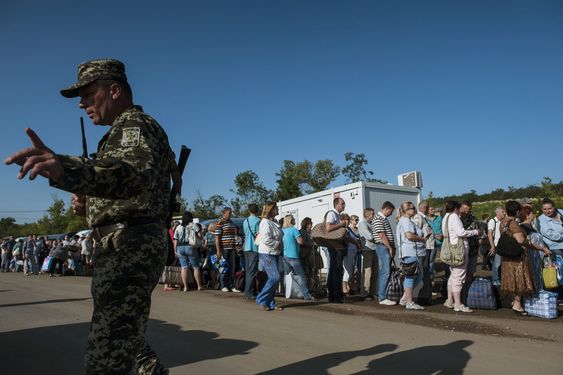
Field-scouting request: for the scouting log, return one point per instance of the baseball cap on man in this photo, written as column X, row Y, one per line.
column 94, row 70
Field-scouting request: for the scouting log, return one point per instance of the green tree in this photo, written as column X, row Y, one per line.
column 54, row 221
column 290, row 179
column 8, row 227
column 321, row 174
column 207, row 208
column 355, row 170
column 296, row 179
column 249, row 189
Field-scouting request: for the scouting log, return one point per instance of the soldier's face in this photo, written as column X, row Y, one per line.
column 96, row 100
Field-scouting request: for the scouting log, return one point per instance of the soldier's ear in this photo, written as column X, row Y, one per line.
column 115, row 90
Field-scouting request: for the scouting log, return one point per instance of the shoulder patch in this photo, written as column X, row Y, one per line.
column 130, row 137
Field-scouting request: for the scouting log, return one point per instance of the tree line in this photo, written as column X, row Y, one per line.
column 294, row 179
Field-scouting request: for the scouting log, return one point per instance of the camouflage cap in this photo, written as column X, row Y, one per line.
column 93, row 70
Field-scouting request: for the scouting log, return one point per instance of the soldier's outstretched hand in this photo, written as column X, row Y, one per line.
column 37, row 159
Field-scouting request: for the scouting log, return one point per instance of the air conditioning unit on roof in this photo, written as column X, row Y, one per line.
column 410, row 179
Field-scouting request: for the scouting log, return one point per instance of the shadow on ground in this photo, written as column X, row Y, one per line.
column 47, row 301
column 60, row 349
column 451, row 359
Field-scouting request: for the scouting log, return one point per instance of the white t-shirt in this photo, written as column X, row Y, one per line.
column 332, row 217
column 494, row 224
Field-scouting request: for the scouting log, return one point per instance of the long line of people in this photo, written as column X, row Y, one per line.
column 366, row 261
column 255, row 259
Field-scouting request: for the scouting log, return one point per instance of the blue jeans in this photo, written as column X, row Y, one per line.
column 335, row 275
column 412, row 281
column 228, row 278
column 188, row 256
column 496, row 269
column 266, row 297
column 384, row 258
column 292, row 264
column 251, row 270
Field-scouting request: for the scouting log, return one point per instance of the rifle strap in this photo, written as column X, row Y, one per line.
column 175, row 173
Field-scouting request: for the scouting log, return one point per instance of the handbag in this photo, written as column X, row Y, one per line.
column 507, row 245
column 394, row 289
column 409, row 269
column 171, row 275
column 452, row 255
column 333, row 239
column 549, row 274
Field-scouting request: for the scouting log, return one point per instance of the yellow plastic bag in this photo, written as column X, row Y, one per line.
column 549, row 277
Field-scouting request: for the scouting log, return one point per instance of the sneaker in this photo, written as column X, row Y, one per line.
column 235, row 290
column 310, row 299
column 463, row 309
column 448, row 305
column 225, row 289
column 402, row 302
column 387, row 302
column 414, row 306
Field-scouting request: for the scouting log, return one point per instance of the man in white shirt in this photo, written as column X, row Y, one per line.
column 336, row 262
column 493, row 233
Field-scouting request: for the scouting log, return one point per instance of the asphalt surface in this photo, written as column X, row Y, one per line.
column 44, row 324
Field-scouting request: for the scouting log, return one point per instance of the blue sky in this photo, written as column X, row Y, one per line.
column 467, row 92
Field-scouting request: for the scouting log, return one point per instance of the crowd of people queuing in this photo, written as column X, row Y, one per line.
column 255, row 258
column 34, row 254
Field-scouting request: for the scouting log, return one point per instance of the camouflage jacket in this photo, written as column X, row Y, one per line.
column 129, row 176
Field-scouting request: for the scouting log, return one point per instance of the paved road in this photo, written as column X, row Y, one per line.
column 44, row 324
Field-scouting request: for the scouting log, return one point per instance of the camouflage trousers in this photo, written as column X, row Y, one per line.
column 127, row 268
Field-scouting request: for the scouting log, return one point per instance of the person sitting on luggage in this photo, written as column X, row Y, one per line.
column 291, row 259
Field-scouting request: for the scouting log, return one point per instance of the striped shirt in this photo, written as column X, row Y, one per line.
column 226, row 231
column 380, row 224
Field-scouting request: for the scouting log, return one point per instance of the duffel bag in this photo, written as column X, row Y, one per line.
column 542, row 304
column 481, row 295
column 394, row 289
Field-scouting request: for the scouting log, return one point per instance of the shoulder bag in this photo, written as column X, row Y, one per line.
column 507, row 245
column 452, row 255
column 333, row 239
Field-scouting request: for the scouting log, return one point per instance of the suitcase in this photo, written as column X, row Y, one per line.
column 480, row 295
column 542, row 304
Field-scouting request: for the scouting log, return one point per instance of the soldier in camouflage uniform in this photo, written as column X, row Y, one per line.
column 124, row 192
